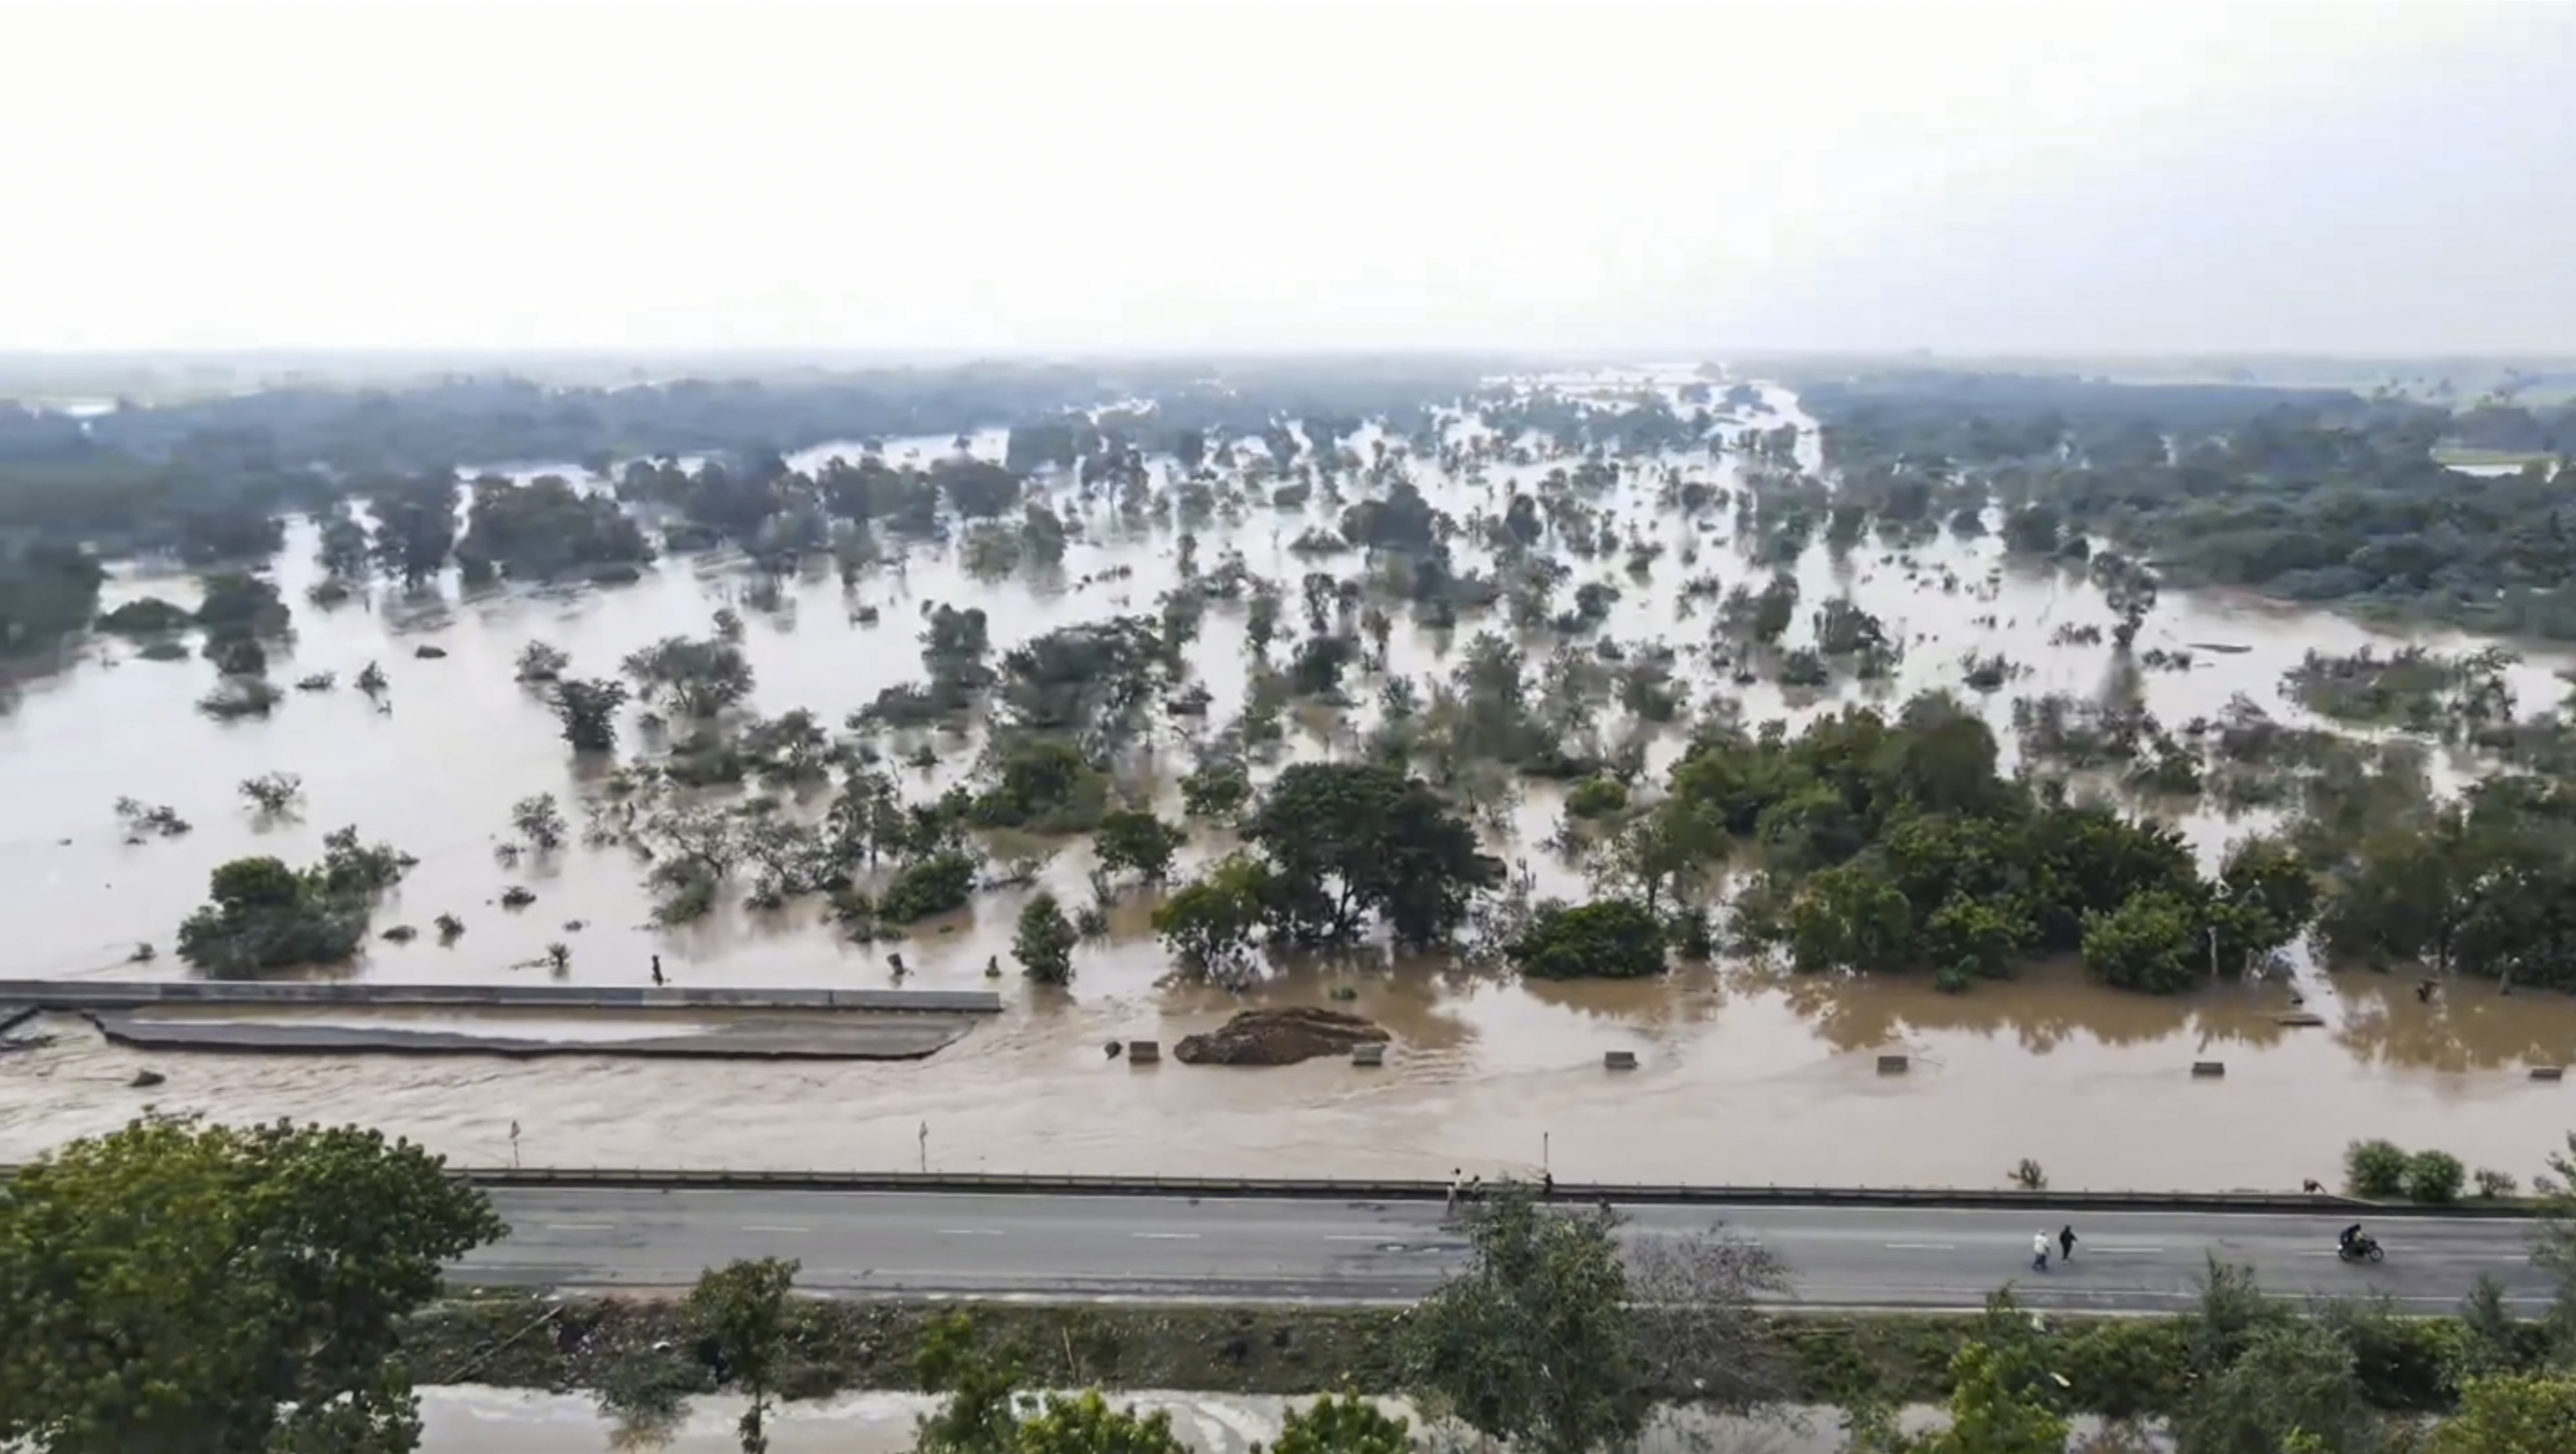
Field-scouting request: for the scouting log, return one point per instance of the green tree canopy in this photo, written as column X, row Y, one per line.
column 1348, row 839
column 1993, row 1410
column 1344, row 1424
column 2511, row 1414
column 222, row 1290
column 743, row 1309
column 1608, row 938
column 1556, row 1339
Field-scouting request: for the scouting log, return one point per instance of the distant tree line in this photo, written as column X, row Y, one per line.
column 2312, row 495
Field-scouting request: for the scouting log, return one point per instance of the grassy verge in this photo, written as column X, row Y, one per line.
column 2115, row 1366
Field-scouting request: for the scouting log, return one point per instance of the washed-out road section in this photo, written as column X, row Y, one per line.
column 1146, row 1248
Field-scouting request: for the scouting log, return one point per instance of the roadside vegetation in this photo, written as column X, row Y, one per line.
column 176, row 1285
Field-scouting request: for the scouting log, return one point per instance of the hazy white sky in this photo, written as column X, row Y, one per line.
column 1053, row 176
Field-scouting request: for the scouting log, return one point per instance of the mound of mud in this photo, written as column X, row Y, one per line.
column 1278, row 1037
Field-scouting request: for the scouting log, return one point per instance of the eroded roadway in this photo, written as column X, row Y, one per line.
column 919, row 1244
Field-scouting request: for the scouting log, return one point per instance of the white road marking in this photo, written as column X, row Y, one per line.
column 577, row 1226
column 778, row 1229
column 1921, row 1247
column 1167, row 1236
column 966, row 1232
column 2128, row 1249
column 1341, row 1237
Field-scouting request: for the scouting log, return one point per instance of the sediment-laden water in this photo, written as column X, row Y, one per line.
column 1746, row 1074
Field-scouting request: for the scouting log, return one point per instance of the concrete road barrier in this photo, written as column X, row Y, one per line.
column 78, row 995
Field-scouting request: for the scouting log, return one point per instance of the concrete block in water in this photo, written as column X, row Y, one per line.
column 1619, row 1060
column 1144, row 1052
column 1892, row 1064
column 2208, row 1067
column 2548, row 1072
column 1371, row 1053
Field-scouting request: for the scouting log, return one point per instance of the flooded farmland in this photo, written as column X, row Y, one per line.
column 1747, row 1073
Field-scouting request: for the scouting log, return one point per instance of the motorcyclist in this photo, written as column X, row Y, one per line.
column 2350, row 1241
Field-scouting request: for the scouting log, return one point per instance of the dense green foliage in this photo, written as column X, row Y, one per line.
column 1345, row 1425
column 2511, row 1414
column 937, row 884
column 543, row 529
column 1131, row 840
column 1043, row 941
column 46, row 591
column 262, row 915
column 2485, row 885
column 1555, row 1340
column 1894, row 846
column 206, row 479
column 1609, row 939
column 742, row 1311
column 224, row 1290
column 1335, row 848
column 1044, row 785
column 1345, row 841
column 2314, row 495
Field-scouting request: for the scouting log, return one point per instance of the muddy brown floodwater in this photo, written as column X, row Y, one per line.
column 1745, row 1075
column 494, row 1421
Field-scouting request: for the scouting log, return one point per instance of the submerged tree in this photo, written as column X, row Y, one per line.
column 1133, row 840
column 692, row 678
column 273, row 792
column 1347, row 840
column 263, row 915
column 587, row 709
column 538, row 820
column 1044, row 940
column 1610, row 938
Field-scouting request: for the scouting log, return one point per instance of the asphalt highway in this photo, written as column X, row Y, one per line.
column 913, row 1244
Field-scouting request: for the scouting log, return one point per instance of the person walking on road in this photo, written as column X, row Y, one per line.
column 2039, row 1253
column 2066, row 1244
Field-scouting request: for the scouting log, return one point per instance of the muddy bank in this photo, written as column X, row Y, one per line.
column 1283, row 1036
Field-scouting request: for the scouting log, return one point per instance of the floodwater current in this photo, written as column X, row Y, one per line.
column 1746, row 1074
column 496, row 1421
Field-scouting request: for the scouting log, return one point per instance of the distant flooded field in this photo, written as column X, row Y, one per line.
column 1747, row 1073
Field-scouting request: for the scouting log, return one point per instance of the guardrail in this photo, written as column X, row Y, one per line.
column 74, row 995
column 1328, row 1189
